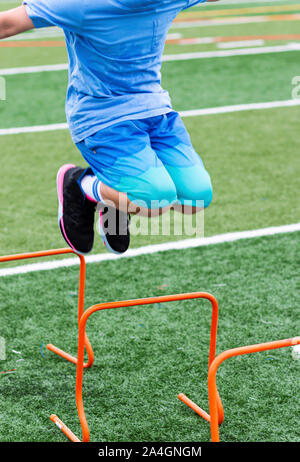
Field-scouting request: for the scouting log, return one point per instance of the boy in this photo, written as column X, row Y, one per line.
column 140, row 155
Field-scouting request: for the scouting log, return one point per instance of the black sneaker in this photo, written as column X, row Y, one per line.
column 113, row 227
column 75, row 212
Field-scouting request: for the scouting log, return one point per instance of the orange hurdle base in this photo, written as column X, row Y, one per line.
column 82, row 344
column 64, row 428
column 216, row 410
column 194, row 406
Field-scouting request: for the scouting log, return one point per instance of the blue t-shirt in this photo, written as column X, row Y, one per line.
column 115, row 50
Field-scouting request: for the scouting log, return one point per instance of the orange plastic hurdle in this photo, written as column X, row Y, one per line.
column 216, row 415
column 212, row 372
column 216, row 412
column 131, row 303
column 81, row 293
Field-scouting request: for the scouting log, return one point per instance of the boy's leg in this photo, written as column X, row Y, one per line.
column 129, row 178
column 97, row 191
column 120, row 201
column 78, row 199
column 173, row 146
column 131, row 175
column 75, row 213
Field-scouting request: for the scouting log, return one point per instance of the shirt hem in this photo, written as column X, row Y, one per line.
column 77, row 138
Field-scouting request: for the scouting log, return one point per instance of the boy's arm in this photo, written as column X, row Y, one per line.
column 14, row 21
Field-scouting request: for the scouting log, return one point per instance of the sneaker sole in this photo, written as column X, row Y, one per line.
column 59, row 185
column 103, row 236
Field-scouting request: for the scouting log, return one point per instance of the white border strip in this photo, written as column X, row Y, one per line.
column 222, row 21
column 151, row 249
column 240, row 2
column 240, row 107
column 33, row 129
column 33, row 34
column 191, row 113
column 241, row 44
column 34, row 69
column 226, row 53
column 293, row 46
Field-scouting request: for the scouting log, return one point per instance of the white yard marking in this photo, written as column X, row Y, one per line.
column 33, row 129
column 151, row 249
column 34, row 69
column 50, row 32
column 190, row 113
column 47, row 32
column 241, row 2
column 229, row 21
column 241, row 44
column 227, row 53
column 219, row 22
column 167, row 58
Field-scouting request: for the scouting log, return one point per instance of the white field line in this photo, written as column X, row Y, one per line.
column 229, row 21
column 33, row 129
column 226, row 53
column 34, row 69
column 190, row 113
column 47, row 32
column 241, row 2
column 241, row 44
column 219, row 22
column 240, row 107
column 166, row 58
column 151, row 249
column 196, row 41
column 50, row 32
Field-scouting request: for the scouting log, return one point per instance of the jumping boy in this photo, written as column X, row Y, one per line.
column 140, row 155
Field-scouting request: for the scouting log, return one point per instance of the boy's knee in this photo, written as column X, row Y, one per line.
column 163, row 193
column 155, row 192
column 205, row 190
column 195, row 188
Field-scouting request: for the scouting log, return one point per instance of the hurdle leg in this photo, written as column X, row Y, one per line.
column 212, row 387
column 79, row 382
column 87, row 344
column 212, row 354
column 64, row 428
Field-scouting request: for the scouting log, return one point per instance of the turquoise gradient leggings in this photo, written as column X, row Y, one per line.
column 152, row 160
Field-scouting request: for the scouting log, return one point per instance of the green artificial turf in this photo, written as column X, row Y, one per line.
column 4, row 5
column 240, row 5
column 253, row 161
column 145, row 356
column 253, row 164
column 33, row 56
column 37, row 99
column 232, row 30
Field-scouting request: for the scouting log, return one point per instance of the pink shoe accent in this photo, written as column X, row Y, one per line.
column 100, row 218
column 101, row 227
column 91, row 199
column 59, row 183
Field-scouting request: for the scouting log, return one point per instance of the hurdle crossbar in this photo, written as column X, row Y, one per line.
column 133, row 303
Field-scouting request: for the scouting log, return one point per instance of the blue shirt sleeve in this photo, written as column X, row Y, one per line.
column 67, row 14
